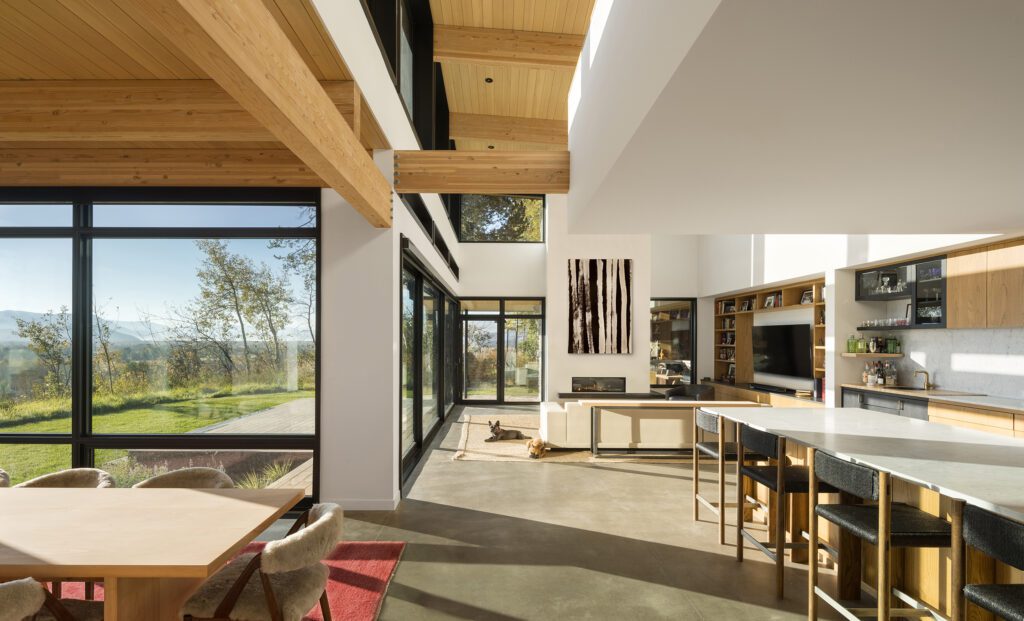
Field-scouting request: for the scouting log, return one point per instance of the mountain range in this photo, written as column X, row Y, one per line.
column 121, row 332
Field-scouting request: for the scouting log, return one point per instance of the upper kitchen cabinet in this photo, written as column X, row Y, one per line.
column 885, row 283
column 967, row 282
column 921, row 283
column 1006, row 285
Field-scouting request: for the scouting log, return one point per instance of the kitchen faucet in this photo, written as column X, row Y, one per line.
column 927, row 379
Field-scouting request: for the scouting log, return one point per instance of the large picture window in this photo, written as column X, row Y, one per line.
column 673, row 341
column 143, row 333
column 500, row 218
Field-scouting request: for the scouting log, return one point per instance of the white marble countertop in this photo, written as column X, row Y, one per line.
column 980, row 468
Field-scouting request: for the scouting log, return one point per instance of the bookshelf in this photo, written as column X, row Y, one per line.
column 734, row 323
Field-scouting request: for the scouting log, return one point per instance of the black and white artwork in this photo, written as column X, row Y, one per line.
column 600, row 306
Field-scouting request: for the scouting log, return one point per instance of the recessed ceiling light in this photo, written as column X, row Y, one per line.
column 489, row 80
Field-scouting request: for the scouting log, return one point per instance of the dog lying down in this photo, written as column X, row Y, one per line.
column 535, row 446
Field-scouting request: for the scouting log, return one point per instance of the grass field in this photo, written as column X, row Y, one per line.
column 25, row 461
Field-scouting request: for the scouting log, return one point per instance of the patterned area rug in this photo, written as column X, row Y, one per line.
column 475, row 430
column 360, row 574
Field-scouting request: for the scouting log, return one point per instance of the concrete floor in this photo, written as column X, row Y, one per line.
column 493, row 541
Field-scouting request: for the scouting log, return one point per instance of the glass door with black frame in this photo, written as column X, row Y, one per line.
column 930, row 293
column 480, row 376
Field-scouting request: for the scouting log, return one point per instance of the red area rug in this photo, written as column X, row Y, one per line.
column 360, row 574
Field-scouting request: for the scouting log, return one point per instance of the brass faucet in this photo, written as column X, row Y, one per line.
column 928, row 385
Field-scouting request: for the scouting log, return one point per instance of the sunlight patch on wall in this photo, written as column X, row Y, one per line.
column 995, row 364
column 920, row 358
column 598, row 21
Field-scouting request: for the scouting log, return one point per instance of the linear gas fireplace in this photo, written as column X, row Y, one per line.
column 599, row 384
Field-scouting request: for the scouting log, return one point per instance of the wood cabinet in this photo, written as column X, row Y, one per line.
column 992, row 421
column 967, row 282
column 1006, row 285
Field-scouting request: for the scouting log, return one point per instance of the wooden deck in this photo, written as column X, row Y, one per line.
column 299, row 478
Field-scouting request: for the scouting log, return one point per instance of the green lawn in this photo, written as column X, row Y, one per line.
column 27, row 461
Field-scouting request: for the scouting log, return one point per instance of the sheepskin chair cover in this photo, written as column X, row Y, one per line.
column 75, row 477
column 296, row 592
column 20, row 599
column 307, row 546
column 190, row 478
column 5, row 479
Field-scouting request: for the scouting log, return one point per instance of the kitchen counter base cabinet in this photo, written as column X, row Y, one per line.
column 887, row 404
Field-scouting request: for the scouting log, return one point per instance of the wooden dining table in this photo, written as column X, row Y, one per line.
column 151, row 547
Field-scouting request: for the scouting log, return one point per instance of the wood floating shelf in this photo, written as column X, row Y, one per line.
column 870, row 355
column 725, row 345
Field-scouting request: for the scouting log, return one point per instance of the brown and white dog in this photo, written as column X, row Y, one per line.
column 536, row 448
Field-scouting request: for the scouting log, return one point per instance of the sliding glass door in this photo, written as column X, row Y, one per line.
column 424, row 361
column 502, row 355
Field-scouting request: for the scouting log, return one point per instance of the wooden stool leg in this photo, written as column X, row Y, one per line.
column 696, row 469
column 90, row 590
column 884, row 525
column 812, row 544
column 956, row 598
column 721, row 482
column 740, row 500
column 780, row 520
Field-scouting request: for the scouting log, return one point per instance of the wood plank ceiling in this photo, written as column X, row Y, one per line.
column 90, row 40
column 518, row 93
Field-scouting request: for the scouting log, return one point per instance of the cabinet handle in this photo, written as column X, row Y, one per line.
column 899, row 405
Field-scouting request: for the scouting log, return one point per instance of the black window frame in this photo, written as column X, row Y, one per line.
column 500, row 317
column 693, row 338
column 411, row 263
column 455, row 215
column 81, row 439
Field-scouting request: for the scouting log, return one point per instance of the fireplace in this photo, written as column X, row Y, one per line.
column 599, row 384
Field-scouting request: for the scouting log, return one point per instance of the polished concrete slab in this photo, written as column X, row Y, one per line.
column 497, row 541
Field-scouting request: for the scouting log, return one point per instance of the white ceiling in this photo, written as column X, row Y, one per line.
column 807, row 116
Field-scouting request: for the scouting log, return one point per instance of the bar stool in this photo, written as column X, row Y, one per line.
column 885, row 525
column 780, row 478
column 1003, row 540
column 721, row 452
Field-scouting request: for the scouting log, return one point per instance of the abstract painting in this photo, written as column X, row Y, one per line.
column 600, row 306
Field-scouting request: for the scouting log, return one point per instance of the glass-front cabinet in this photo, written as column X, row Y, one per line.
column 922, row 284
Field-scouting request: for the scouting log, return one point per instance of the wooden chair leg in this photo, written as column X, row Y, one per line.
column 696, row 470
column 56, row 587
column 90, row 590
column 325, row 606
column 812, row 536
column 780, row 521
column 957, row 561
column 884, row 589
column 740, row 499
column 721, row 482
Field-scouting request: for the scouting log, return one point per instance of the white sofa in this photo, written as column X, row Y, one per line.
column 665, row 427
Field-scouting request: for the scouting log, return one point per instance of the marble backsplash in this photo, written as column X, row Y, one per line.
column 983, row 361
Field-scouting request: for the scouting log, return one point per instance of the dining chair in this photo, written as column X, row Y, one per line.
column 73, row 477
column 28, row 599
column 189, row 478
column 1003, row 540
column 878, row 522
column 5, row 479
column 782, row 479
column 292, row 578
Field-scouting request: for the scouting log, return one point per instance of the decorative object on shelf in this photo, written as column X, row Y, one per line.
column 731, row 373
column 769, row 301
column 807, row 297
column 746, row 306
column 600, row 306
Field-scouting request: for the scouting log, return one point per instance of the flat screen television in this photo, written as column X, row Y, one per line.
column 783, row 350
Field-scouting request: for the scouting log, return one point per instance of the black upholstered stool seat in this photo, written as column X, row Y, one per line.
column 910, row 527
column 1006, row 600
column 794, row 477
column 711, row 450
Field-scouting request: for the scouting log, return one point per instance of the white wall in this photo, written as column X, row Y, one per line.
column 562, row 246
column 359, row 359
column 674, row 266
column 505, row 270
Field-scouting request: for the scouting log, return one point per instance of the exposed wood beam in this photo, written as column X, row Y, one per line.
column 154, row 167
column 493, row 46
column 243, row 48
column 146, row 111
column 482, row 172
column 501, row 129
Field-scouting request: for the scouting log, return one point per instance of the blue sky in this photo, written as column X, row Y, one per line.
column 131, row 277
